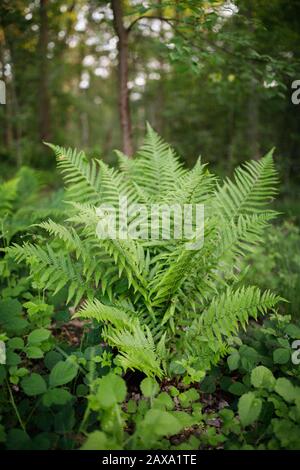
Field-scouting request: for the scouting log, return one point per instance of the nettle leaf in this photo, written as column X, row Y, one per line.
column 149, row 387
column 34, row 385
column 261, row 377
column 62, row 373
column 249, row 408
column 111, row 390
column 281, row 356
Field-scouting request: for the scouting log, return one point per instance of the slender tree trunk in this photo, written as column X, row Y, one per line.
column 253, row 133
column 124, row 106
column 44, row 99
column 161, row 85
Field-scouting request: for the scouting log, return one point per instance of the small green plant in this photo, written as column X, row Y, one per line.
column 148, row 423
column 165, row 308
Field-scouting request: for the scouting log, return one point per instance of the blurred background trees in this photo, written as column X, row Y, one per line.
column 213, row 77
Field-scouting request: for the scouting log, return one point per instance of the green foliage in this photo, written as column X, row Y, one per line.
column 158, row 301
column 275, row 264
column 153, row 418
column 266, row 402
column 21, row 204
column 249, row 408
column 62, row 373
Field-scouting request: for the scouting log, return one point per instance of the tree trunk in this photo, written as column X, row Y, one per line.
column 124, row 107
column 44, row 99
column 253, row 133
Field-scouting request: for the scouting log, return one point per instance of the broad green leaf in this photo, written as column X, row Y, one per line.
column 164, row 401
column 249, row 408
column 98, row 440
column 62, row 373
column 17, row 440
column 281, row 356
column 233, row 360
column 237, row 388
column 111, row 390
column 16, row 343
column 293, row 331
column 38, row 336
column 11, row 316
column 287, row 432
column 52, row 358
column 149, row 387
column 285, row 389
column 262, row 377
column 185, row 419
column 56, row 396
column 33, row 352
column 162, row 423
column 34, row 384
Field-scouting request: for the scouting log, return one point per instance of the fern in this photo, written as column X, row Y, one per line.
column 21, row 204
column 158, row 301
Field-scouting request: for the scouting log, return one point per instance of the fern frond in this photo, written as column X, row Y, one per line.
column 136, row 350
column 194, row 187
column 8, row 193
column 96, row 310
column 81, row 177
column 255, row 184
column 68, row 235
column 123, row 331
column 209, row 332
column 156, row 168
